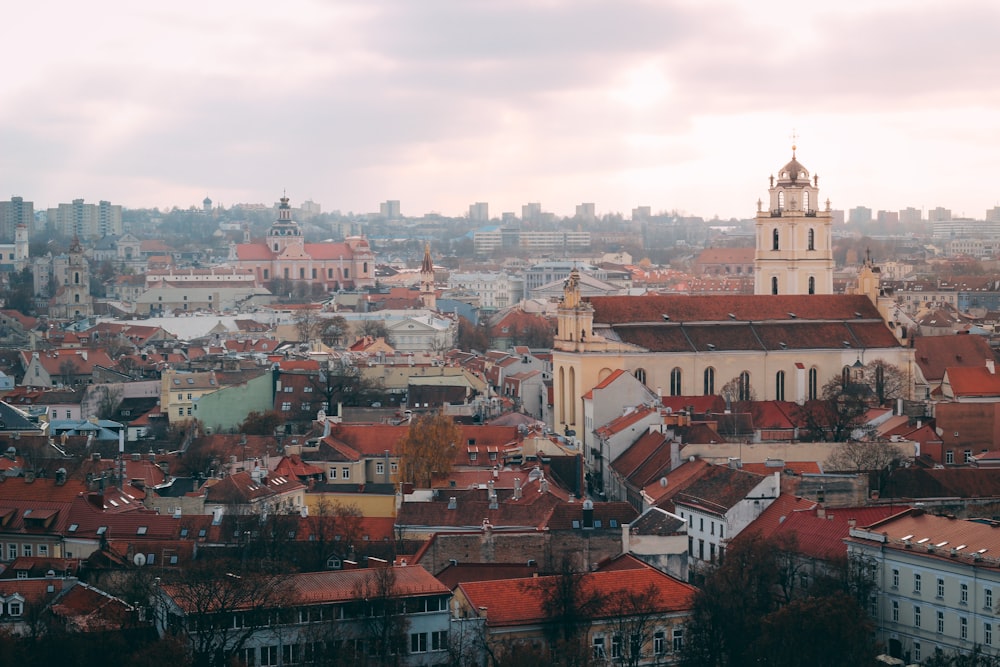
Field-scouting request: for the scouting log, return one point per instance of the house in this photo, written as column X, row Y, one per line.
column 50, row 368
column 934, row 354
column 719, row 505
column 514, row 612
column 973, row 384
column 938, row 584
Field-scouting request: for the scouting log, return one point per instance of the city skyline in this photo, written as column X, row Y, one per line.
column 676, row 106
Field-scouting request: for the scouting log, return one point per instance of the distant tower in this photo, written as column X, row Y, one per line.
column 72, row 299
column 794, row 239
column 427, row 295
column 284, row 231
column 20, row 246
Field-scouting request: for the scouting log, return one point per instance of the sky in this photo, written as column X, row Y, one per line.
column 672, row 104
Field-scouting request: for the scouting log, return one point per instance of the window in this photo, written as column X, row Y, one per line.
column 305, row 407
column 744, row 386
column 379, row 468
column 812, row 285
column 345, row 473
column 774, row 285
column 678, row 639
column 940, row 588
column 940, row 621
column 640, row 375
column 701, row 549
column 659, row 642
column 722, row 531
column 711, row 528
column 43, row 550
column 812, row 239
column 675, row 382
column 439, row 640
column 988, row 633
column 813, row 395
column 916, row 651
column 26, row 550
column 963, row 627
column 290, row 654
column 709, row 382
column 15, row 608
column 917, row 582
column 988, row 598
column 268, row 655
column 286, row 406
column 701, row 524
column 916, row 616
column 598, row 647
column 895, row 611
column 964, row 593
column 473, row 456
column 779, row 386
column 418, row 642
column 774, row 232
column 949, row 456
column 288, row 388
column 616, row 646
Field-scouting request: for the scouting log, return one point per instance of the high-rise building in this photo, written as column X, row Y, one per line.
column 640, row 213
column 479, row 212
column 993, row 214
column 531, row 212
column 860, row 215
column 938, row 214
column 13, row 213
column 389, row 209
column 86, row 221
column 888, row 217
column 586, row 212
column 910, row 216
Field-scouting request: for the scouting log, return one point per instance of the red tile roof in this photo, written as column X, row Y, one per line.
column 934, row 354
column 512, row 602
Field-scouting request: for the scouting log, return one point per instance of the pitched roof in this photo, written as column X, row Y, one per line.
column 820, row 534
column 719, row 489
column 933, row 354
column 511, row 602
column 971, row 382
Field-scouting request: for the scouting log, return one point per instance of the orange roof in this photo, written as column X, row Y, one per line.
column 521, row 601
column 975, row 381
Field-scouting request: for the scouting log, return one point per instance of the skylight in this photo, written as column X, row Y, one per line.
column 72, row 527
column 102, row 529
column 141, row 530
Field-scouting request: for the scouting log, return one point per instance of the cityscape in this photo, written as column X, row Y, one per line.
column 583, row 334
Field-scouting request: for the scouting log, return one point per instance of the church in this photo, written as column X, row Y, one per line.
column 783, row 343
column 284, row 255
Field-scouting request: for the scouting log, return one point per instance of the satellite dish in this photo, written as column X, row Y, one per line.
column 139, row 560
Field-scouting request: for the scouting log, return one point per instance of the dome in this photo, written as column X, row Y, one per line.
column 793, row 172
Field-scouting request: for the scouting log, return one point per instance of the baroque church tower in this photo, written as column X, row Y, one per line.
column 794, row 239
column 427, row 295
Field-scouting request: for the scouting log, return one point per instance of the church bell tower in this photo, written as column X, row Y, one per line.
column 794, row 238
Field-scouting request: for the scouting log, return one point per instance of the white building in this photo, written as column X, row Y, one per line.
column 937, row 583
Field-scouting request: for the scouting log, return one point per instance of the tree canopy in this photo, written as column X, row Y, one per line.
column 428, row 448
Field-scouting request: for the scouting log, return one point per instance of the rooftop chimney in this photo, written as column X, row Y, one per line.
column 517, row 488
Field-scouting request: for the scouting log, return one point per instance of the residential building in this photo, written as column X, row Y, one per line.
column 89, row 221
column 14, row 213
column 937, row 580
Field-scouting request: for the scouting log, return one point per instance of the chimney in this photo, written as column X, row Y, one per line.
column 820, row 513
column 991, row 366
column 517, row 488
column 675, row 454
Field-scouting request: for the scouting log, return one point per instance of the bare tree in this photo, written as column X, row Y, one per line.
column 308, row 324
column 335, row 331
column 384, row 624
column 887, row 381
column 67, row 371
column 219, row 610
column 632, row 616
column 108, row 400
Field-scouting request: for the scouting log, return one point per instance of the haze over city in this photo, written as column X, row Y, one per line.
column 673, row 105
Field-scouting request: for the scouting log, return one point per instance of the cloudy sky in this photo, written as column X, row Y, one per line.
column 686, row 105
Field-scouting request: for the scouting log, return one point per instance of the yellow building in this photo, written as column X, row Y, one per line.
column 782, row 346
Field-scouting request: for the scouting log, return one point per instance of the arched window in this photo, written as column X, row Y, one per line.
column 76, row 298
column 805, row 202
column 76, row 278
column 744, row 386
column 812, row 285
column 640, row 375
column 781, row 201
column 774, row 239
column 562, row 394
column 812, row 239
column 675, row 382
column 572, row 396
column 709, row 384
column 779, row 386
column 364, row 268
column 812, row 384
column 845, row 376
column 774, row 285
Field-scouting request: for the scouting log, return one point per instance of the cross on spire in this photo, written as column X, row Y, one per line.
column 795, row 139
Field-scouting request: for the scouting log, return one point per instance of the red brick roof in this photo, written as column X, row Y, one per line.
column 511, row 602
column 821, row 534
column 719, row 489
column 934, row 354
column 745, row 308
column 971, row 382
